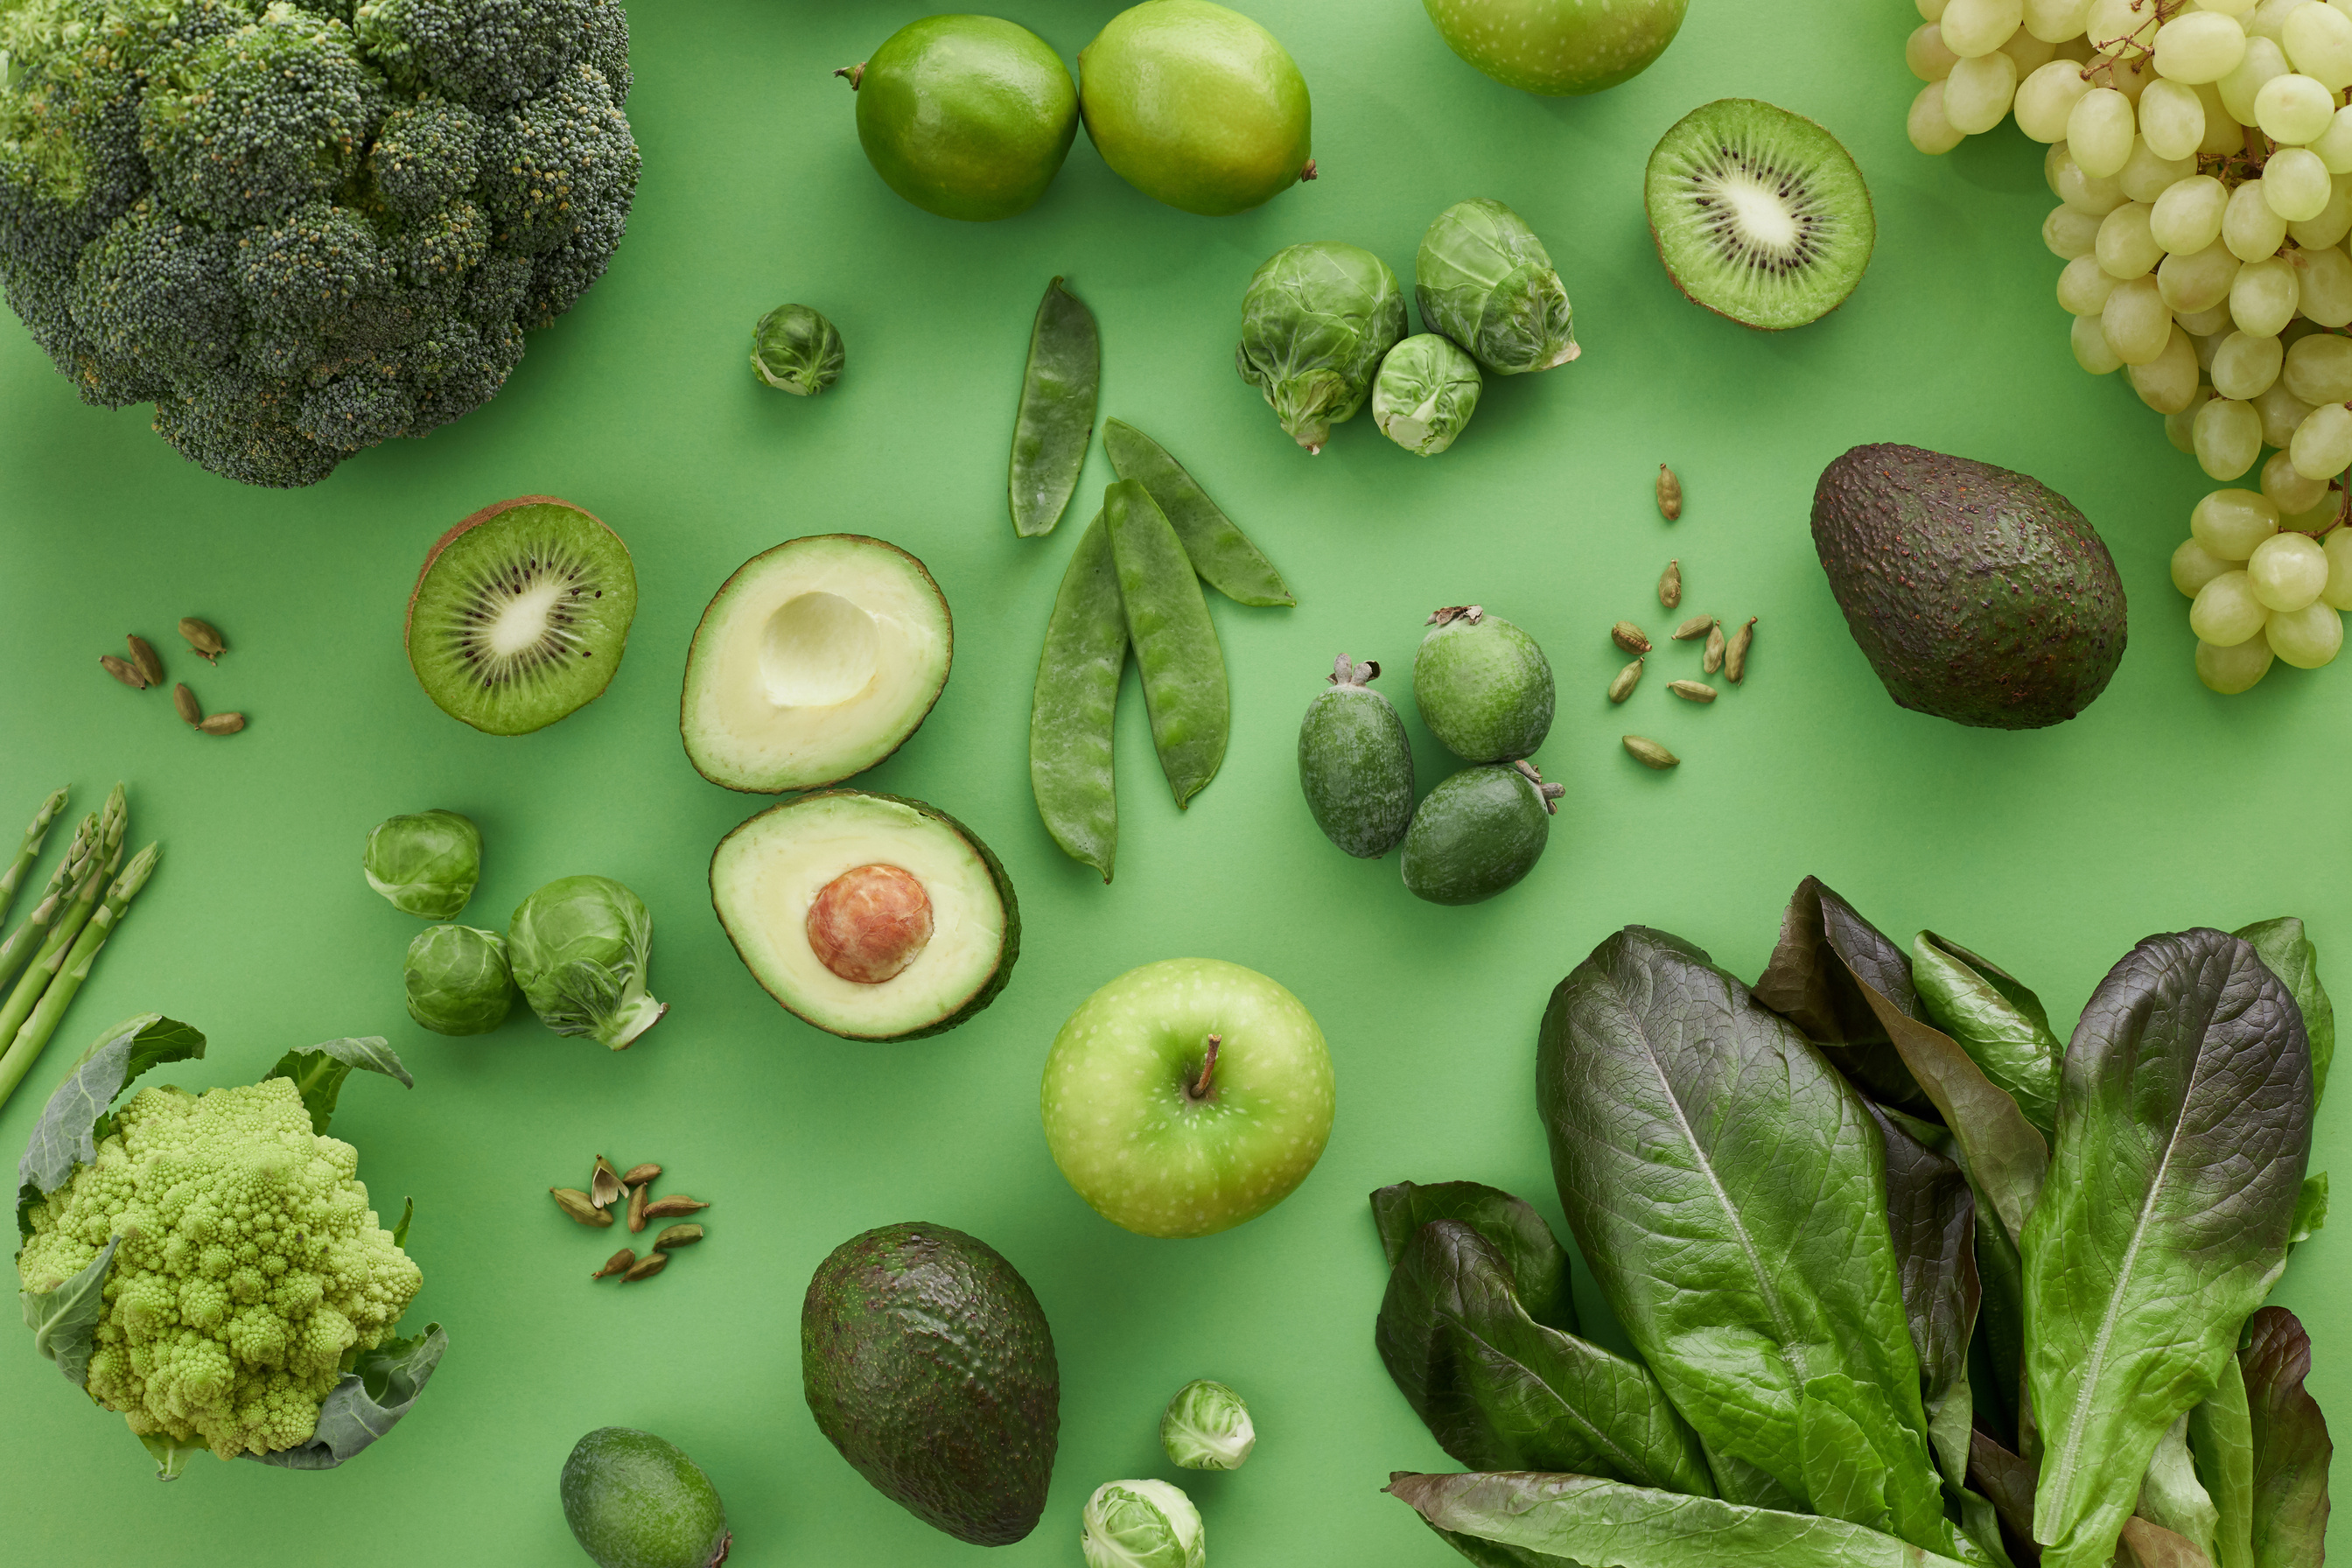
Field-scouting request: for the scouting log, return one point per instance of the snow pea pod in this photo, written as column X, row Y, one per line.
column 1076, row 702
column 1174, row 640
column 1057, row 411
column 1221, row 553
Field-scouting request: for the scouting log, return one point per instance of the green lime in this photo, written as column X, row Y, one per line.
column 968, row 116
column 1196, row 106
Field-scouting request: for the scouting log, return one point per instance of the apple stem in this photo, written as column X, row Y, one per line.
column 1199, row 1089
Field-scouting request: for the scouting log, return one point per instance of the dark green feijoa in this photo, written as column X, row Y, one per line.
column 929, row 1364
column 1221, row 553
column 1355, row 765
column 1427, row 390
column 1316, row 323
column 1483, row 279
column 1057, row 411
column 1483, row 686
column 794, row 349
column 634, row 1500
column 1479, row 833
column 1174, row 640
column 1076, row 703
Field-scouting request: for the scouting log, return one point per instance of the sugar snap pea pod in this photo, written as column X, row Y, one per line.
column 1076, row 702
column 1175, row 642
column 1058, row 410
column 1221, row 553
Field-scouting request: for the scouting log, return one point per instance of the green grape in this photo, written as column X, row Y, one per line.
column 2193, row 567
column 2308, row 637
column 2264, row 59
column 2198, row 47
column 2146, row 176
column 2100, row 131
column 2338, row 548
column 2172, row 118
column 2092, row 351
column 2229, row 435
column 2122, row 26
column 2187, row 216
column 2318, row 368
column 1931, row 10
column 1925, row 53
column 1931, row 131
column 2334, row 222
column 2029, row 53
column 2268, row 20
column 2198, row 283
column 2228, row 7
column 2288, row 490
column 2168, row 383
column 2245, row 366
column 2320, row 44
column 2225, row 612
column 2180, row 428
column 2293, row 109
column 2263, row 296
column 2067, row 233
column 2295, row 184
column 2282, row 414
column 2231, row 522
column 1977, row 93
column 2136, row 321
column 2334, row 147
column 2324, row 294
column 2287, row 571
column 2124, row 246
column 2229, row 670
column 2224, row 135
column 2083, row 287
column 2075, row 187
column 1974, row 28
column 2248, row 228
column 2321, row 444
column 2056, row 21
column 2046, row 97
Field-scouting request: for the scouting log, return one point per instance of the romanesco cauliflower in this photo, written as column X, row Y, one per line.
column 251, row 1267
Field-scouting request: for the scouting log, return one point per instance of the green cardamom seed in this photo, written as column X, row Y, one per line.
column 604, row 1184
column 1696, row 626
column 1734, row 662
column 1629, row 636
column 1627, row 678
column 1670, row 585
column 185, row 701
column 617, row 1264
column 123, row 670
column 1670, row 494
column 1650, row 755
column 672, row 1207
column 573, row 1202
column 1692, row 691
column 221, row 723
column 678, row 1235
column 203, row 638
column 142, row 654
column 637, row 1199
column 645, row 1267
column 1712, row 661
column 638, row 1175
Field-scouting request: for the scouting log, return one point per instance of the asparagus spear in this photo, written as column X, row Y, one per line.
column 75, row 969
column 30, row 849
column 27, row 937
column 104, row 856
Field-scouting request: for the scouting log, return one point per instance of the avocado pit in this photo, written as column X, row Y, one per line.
column 869, row 923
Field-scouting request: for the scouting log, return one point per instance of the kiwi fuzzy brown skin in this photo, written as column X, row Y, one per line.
column 947, row 613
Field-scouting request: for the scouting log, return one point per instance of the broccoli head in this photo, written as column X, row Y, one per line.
column 300, row 230
column 249, row 1274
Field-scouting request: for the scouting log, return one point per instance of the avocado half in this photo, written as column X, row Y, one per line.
column 811, row 857
column 815, row 660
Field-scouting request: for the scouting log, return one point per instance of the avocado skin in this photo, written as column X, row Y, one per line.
column 1476, row 834
column 1978, row 595
column 634, row 1501
column 928, row 1363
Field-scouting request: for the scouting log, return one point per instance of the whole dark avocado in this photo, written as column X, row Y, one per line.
column 928, row 1363
column 1978, row 595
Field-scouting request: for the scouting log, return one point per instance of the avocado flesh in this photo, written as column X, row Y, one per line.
column 928, row 1362
column 1978, row 595
column 767, row 873
column 817, row 660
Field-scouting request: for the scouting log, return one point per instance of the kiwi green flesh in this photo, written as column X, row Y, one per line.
column 1760, row 215
column 521, row 616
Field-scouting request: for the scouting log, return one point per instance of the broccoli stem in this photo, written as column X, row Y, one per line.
column 74, row 969
column 30, row 931
column 101, row 854
column 30, row 850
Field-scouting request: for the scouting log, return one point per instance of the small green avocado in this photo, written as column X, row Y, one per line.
column 635, row 1502
column 1479, row 833
column 1978, row 595
column 1355, row 764
column 1483, row 686
column 968, row 116
column 928, row 1363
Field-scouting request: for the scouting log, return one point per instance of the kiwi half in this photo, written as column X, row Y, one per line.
column 521, row 614
column 1760, row 215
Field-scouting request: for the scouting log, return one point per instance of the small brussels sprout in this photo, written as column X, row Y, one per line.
column 1427, row 390
column 1314, row 324
column 458, row 982
column 1485, row 279
column 797, row 350
column 1141, row 1524
column 425, row 864
column 579, row 947
column 1207, row 1428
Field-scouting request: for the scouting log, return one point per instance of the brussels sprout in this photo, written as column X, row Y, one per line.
column 797, row 350
column 1483, row 279
column 1207, row 1428
column 425, row 864
column 1141, row 1524
column 459, row 983
column 1426, row 392
column 579, row 947
column 1314, row 324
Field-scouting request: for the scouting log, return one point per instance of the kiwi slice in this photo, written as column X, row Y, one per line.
column 521, row 614
column 1760, row 215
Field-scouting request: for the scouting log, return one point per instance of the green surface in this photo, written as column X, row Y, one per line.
column 2049, row 852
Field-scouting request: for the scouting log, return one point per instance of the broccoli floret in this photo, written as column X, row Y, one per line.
column 302, row 230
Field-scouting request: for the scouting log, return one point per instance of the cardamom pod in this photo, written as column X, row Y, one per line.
column 617, row 1264
column 1734, row 662
column 604, row 1184
column 1712, row 661
column 638, row 1175
column 637, row 1200
column 142, row 654
column 185, row 701
column 645, row 1267
column 203, row 638
column 1670, row 494
column 1692, row 691
column 678, row 1235
column 672, row 1207
column 221, row 723
column 574, row 1201
column 123, row 670
column 1695, row 627
column 1650, row 755
column 1627, row 678
column 1629, row 636
column 1670, row 585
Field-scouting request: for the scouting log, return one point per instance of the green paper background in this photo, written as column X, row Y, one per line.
column 2163, row 807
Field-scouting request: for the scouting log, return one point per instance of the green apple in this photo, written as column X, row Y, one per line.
column 1556, row 47
column 1188, row 1096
